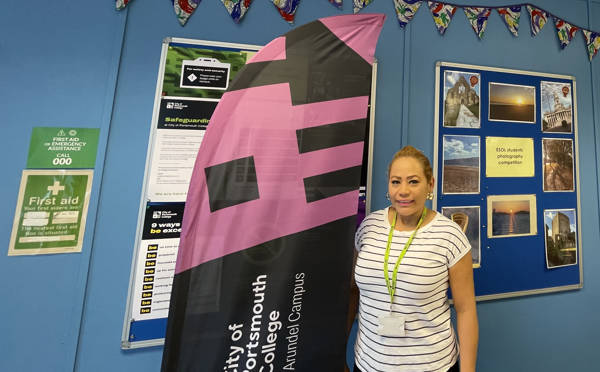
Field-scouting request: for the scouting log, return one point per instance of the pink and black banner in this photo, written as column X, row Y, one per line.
column 264, row 262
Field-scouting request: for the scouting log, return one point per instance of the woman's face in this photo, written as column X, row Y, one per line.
column 408, row 187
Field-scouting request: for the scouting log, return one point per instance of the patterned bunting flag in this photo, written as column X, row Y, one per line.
column 237, row 8
column 184, row 9
column 565, row 31
column 511, row 16
column 478, row 18
column 442, row 15
column 336, row 3
column 359, row 4
column 406, row 10
column 592, row 42
column 287, row 9
column 538, row 19
column 121, row 4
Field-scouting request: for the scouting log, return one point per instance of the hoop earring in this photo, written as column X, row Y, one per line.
column 387, row 195
column 430, row 196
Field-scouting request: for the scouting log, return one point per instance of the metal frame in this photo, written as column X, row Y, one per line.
column 576, row 151
column 125, row 342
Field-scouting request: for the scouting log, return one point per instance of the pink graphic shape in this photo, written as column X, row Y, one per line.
column 261, row 122
column 361, row 39
column 273, row 51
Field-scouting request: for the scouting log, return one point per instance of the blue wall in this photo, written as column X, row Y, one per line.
column 84, row 64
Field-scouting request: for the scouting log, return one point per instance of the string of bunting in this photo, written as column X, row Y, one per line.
column 442, row 13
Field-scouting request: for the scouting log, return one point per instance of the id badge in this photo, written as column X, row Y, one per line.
column 391, row 325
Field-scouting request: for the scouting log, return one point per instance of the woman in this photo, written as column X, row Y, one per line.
column 404, row 316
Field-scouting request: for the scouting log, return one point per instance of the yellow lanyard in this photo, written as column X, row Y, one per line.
column 391, row 285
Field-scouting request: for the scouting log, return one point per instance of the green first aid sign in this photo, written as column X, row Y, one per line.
column 63, row 148
column 51, row 212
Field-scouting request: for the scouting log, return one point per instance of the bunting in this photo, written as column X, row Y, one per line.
column 592, row 42
column 511, row 15
column 441, row 12
column 538, row 19
column 565, row 31
column 237, row 8
column 184, row 9
column 442, row 15
column 359, row 4
column 121, row 4
column 406, row 10
column 336, row 3
column 287, row 9
column 478, row 18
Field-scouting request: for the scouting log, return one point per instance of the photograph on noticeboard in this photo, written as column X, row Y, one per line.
column 513, row 103
column 557, row 160
column 467, row 218
column 461, row 162
column 557, row 107
column 511, row 215
column 461, row 99
column 561, row 237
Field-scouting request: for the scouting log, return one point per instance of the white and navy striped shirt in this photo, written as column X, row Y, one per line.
column 429, row 343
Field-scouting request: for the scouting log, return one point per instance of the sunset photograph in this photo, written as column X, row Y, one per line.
column 508, row 102
column 511, row 215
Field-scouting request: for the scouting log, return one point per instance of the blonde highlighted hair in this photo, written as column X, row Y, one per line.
column 411, row 152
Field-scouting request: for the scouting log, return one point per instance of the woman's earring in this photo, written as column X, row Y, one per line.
column 387, row 195
column 430, row 196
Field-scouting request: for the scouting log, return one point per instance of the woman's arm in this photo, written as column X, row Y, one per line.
column 463, row 294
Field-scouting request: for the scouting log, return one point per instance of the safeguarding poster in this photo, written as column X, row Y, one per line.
column 188, row 90
column 51, row 212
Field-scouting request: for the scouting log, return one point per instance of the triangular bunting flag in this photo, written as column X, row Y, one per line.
column 592, row 42
column 511, row 15
column 336, row 3
column 442, row 15
column 538, row 19
column 287, row 9
column 478, row 18
column 121, row 4
column 184, row 9
column 237, row 8
column 359, row 4
column 565, row 31
column 406, row 10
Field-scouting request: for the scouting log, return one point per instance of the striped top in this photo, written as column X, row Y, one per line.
column 429, row 342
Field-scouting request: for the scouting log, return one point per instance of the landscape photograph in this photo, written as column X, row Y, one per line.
column 511, row 215
column 460, row 172
column 557, row 107
column 557, row 158
column 508, row 102
column 561, row 237
column 467, row 218
column 461, row 99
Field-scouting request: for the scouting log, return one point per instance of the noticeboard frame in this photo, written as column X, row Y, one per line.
column 495, row 278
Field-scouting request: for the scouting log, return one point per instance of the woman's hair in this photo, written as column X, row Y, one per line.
column 411, row 152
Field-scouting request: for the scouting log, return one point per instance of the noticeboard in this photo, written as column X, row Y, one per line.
column 506, row 165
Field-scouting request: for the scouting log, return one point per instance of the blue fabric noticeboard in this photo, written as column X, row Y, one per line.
column 505, row 162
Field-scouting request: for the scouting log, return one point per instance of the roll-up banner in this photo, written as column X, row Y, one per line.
column 265, row 253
